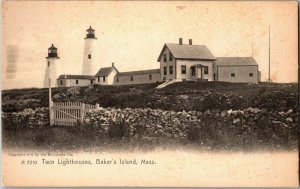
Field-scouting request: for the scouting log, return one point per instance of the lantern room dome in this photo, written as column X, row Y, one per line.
column 90, row 29
column 90, row 33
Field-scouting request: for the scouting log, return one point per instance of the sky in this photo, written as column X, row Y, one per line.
column 132, row 33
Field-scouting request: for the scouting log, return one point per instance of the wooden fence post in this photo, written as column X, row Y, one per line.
column 82, row 111
column 51, row 113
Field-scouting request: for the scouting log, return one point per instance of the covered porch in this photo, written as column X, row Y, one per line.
column 197, row 72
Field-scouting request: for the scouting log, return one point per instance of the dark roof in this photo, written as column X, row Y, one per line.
column 233, row 61
column 52, row 47
column 90, row 29
column 141, row 72
column 76, row 77
column 105, row 71
column 194, row 52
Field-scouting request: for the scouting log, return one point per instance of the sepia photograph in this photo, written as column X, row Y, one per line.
column 149, row 93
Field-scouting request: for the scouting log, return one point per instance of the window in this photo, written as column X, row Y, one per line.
column 89, row 56
column 61, row 82
column 150, row 77
column 103, row 79
column 131, row 78
column 165, row 57
column 48, row 64
column 92, row 81
column 232, row 74
column 165, row 70
column 205, row 69
column 98, row 79
column 250, row 74
column 76, row 81
column 171, row 70
column 117, row 79
column 183, row 69
column 170, row 57
column 193, row 70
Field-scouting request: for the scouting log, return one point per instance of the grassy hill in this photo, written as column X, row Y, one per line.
column 178, row 96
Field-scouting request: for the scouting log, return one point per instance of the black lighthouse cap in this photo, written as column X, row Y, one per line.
column 52, row 47
column 52, row 52
column 90, row 33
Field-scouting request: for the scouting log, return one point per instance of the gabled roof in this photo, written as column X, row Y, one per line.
column 105, row 71
column 234, row 61
column 141, row 72
column 76, row 77
column 193, row 52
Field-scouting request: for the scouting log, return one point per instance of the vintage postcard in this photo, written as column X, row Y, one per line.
column 149, row 93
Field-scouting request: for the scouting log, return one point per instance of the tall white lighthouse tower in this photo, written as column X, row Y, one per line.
column 50, row 73
column 89, row 52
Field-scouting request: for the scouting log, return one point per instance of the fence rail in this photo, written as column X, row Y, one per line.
column 69, row 113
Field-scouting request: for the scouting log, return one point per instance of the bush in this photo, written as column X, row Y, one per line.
column 118, row 129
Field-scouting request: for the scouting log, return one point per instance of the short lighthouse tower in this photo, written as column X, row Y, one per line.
column 50, row 73
column 89, row 52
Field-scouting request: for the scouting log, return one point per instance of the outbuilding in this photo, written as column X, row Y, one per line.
column 137, row 77
column 237, row 70
column 75, row 80
column 106, row 75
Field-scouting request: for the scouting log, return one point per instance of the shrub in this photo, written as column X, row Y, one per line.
column 118, row 129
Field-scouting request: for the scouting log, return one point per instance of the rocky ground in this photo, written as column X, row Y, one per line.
column 207, row 115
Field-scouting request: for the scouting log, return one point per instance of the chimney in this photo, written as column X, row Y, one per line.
column 180, row 41
column 112, row 64
column 190, row 42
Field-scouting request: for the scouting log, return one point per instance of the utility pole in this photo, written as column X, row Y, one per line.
column 269, row 79
column 252, row 49
column 50, row 100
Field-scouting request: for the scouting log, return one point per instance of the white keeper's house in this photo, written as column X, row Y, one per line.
column 177, row 62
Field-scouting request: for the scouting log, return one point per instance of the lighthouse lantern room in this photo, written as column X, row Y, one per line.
column 90, row 33
column 52, row 51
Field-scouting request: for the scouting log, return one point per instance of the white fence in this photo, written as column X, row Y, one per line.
column 69, row 113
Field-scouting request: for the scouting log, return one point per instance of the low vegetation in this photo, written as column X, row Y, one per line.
column 209, row 115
